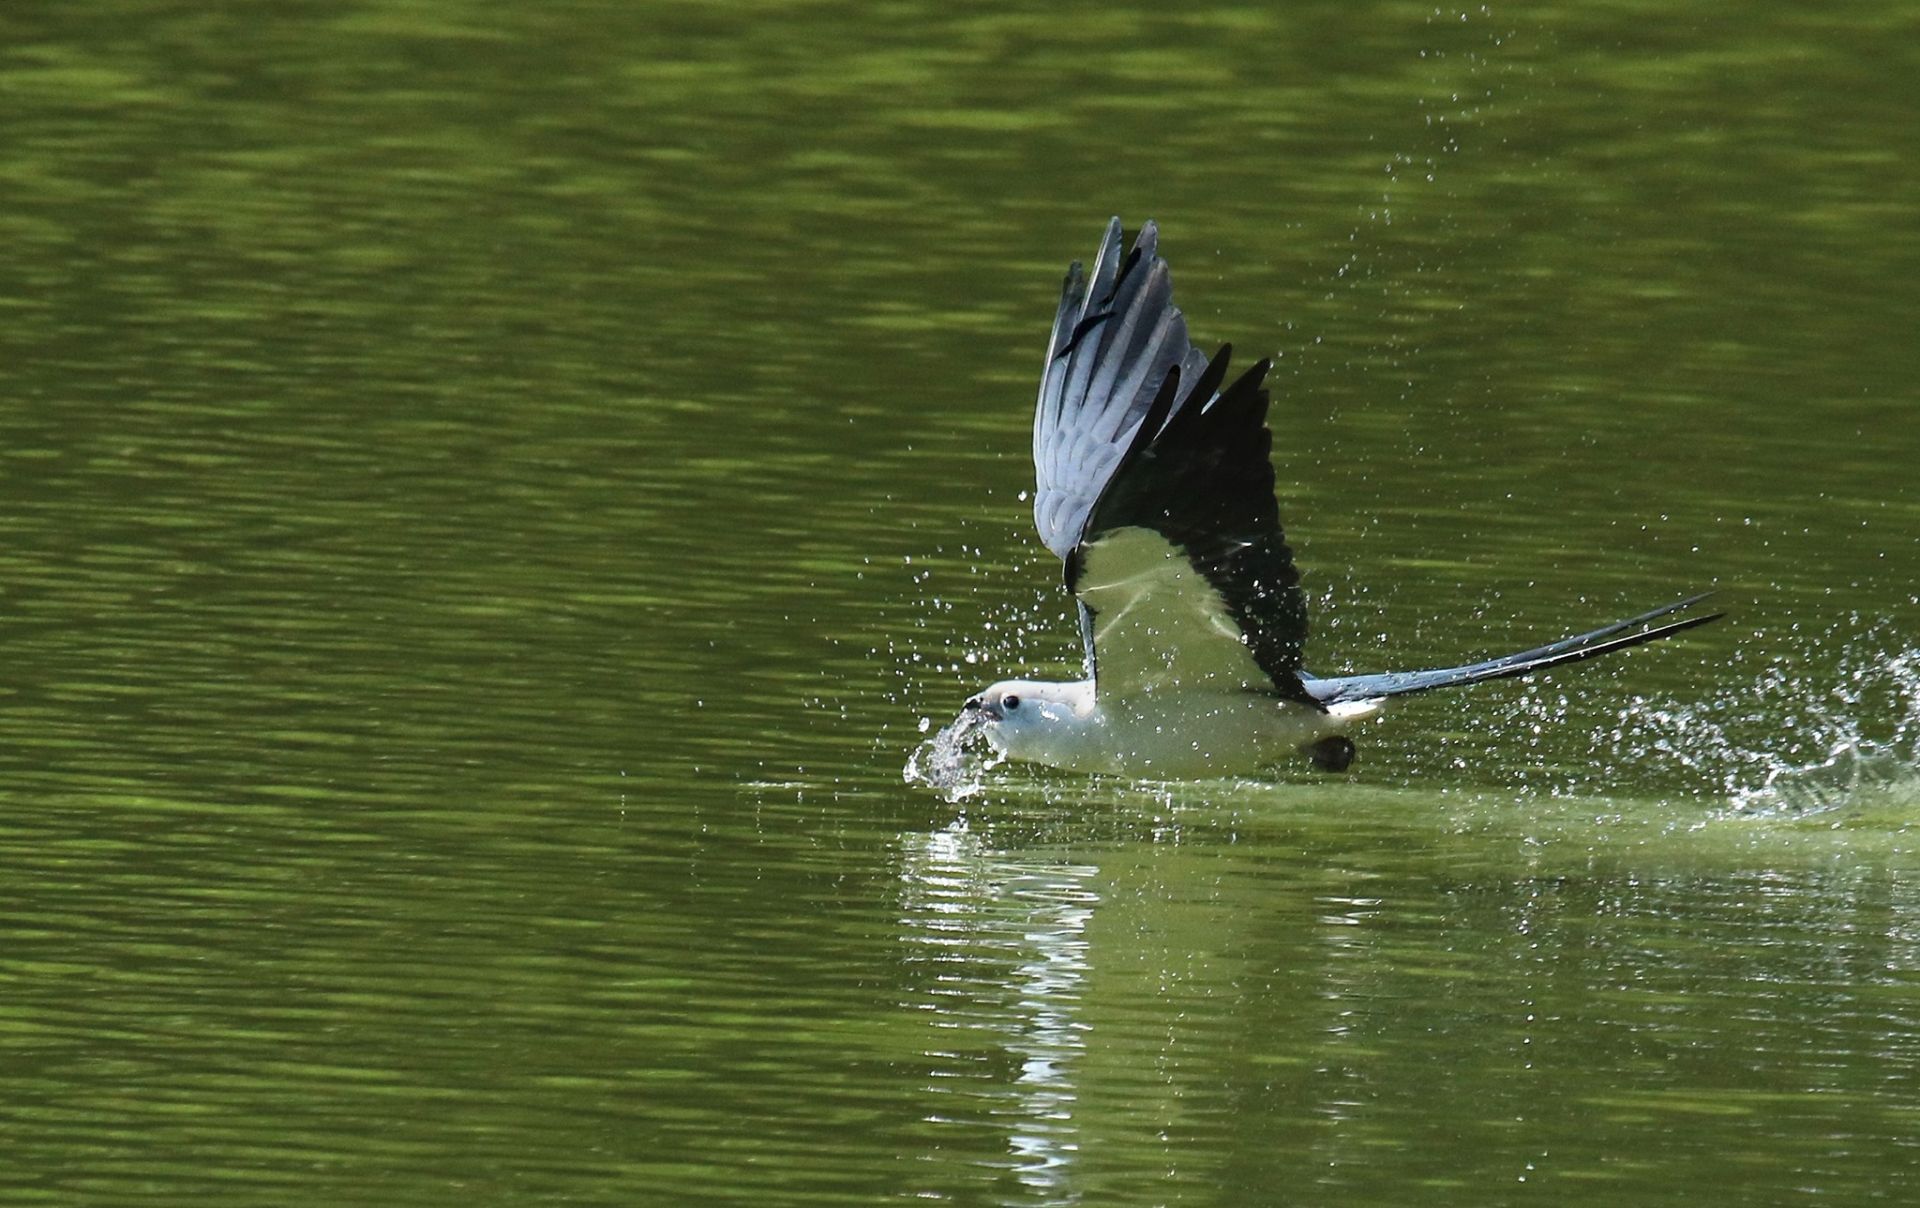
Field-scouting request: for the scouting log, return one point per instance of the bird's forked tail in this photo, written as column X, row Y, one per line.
column 1604, row 640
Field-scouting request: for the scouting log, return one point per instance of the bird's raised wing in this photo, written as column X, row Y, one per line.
column 1155, row 487
column 1115, row 337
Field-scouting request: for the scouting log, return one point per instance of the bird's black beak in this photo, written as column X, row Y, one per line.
column 978, row 704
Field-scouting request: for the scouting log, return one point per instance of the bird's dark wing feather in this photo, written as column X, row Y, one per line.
column 1156, row 487
column 1115, row 336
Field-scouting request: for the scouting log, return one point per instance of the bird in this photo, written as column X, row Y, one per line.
column 1154, row 485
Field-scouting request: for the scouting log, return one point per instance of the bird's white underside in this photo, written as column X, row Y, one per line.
column 1177, row 693
column 1164, row 735
column 1158, row 625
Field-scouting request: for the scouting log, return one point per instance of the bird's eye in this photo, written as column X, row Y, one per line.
column 1009, row 702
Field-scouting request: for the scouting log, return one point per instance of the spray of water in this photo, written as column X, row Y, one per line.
column 955, row 761
column 1792, row 742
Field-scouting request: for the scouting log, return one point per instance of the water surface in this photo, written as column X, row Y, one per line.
column 490, row 495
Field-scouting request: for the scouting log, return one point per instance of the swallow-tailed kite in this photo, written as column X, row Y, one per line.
column 1156, row 488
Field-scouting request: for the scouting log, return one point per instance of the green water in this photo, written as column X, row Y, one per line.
column 489, row 495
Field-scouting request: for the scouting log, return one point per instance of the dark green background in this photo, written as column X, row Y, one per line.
column 489, row 492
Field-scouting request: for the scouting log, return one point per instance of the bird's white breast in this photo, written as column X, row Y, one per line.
column 1180, row 736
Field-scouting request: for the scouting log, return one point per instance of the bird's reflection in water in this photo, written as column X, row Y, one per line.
column 1003, row 937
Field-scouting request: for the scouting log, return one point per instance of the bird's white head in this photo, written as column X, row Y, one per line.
column 1035, row 720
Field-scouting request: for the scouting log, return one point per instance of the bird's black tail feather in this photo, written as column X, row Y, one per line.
column 1603, row 640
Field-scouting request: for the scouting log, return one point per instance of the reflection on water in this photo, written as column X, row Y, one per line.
column 969, row 909
column 1220, row 998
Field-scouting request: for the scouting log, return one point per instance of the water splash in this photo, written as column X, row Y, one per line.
column 1792, row 743
column 954, row 762
column 1856, row 777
